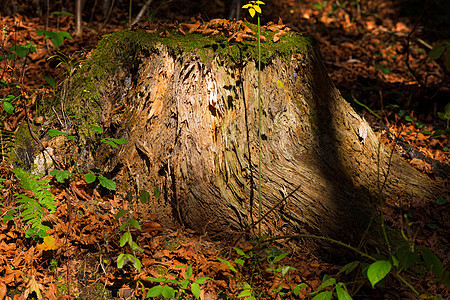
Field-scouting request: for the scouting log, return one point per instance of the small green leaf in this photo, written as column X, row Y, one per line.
column 298, row 288
column 432, row 262
column 436, row 52
column 126, row 237
column 239, row 251
column 239, row 261
column 409, row 119
column 195, row 289
column 50, row 81
column 202, row 280
column 135, row 247
column 137, row 264
column 227, row 263
column 121, row 141
column 348, row 268
column 382, row 68
column 431, row 226
column 168, row 292
column 144, row 196
column 341, row 292
column 157, row 279
column 121, row 260
column 107, row 183
column 121, row 213
column 96, row 128
column 280, row 257
column 245, row 293
column 425, row 132
column 323, row 296
column 60, row 176
column 184, row 284
column 188, row 273
column 62, row 13
column 378, row 270
column 326, row 283
column 90, row 177
column 109, row 142
column 157, row 192
column 441, row 201
column 135, row 224
column 437, row 133
column 8, row 107
column 155, row 291
column 56, row 132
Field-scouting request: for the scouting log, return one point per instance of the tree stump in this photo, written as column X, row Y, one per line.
column 188, row 107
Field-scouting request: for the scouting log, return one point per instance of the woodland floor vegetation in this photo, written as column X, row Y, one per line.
column 389, row 59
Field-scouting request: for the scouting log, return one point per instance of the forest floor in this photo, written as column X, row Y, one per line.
column 376, row 54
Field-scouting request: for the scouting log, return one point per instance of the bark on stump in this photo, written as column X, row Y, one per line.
column 191, row 121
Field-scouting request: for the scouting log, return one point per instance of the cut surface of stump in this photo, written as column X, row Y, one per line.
column 188, row 107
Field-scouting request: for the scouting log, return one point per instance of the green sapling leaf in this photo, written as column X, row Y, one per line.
column 144, row 196
column 134, row 223
column 107, row 183
column 157, row 192
column 378, row 270
column 90, row 177
column 121, row 213
column 184, row 284
column 121, row 260
column 96, row 128
column 280, row 257
column 155, row 291
column 441, row 201
column 8, row 107
column 168, row 292
column 436, row 52
column 348, row 268
column 195, row 289
column 323, row 296
column 341, row 292
column 50, row 81
column 60, row 175
column 227, row 263
column 157, row 279
column 56, row 132
column 202, row 280
column 188, row 273
column 126, row 238
column 406, row 257
column 121, row 141
column 432, row 262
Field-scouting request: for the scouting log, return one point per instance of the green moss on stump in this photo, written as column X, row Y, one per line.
column 119, row 53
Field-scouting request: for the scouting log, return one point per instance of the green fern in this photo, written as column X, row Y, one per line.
column 34, row 208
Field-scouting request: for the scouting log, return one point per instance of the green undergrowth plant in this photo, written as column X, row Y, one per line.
column 95, row 174
column 33, row 208
column 178, row 289
column 127, row 239
column 249, row 264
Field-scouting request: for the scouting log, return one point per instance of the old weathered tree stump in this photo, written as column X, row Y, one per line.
column 188, row 107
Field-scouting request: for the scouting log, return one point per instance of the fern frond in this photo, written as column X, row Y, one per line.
column 32, row 208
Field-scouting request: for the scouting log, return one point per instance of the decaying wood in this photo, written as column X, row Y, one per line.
column 192, row 131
